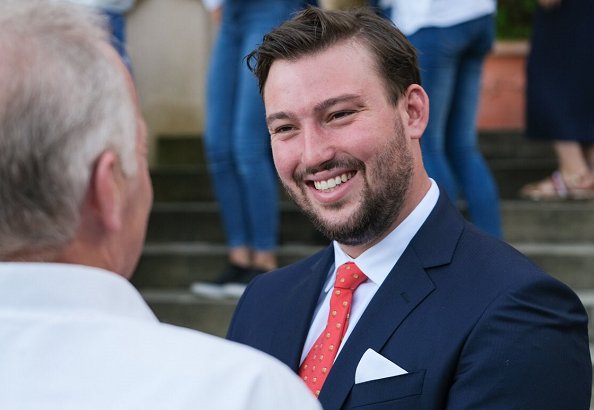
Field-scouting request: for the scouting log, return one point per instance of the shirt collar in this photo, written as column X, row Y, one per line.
column 69, row 287
column 377, row 261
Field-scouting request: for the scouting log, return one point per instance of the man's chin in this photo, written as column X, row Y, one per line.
column 333, row 228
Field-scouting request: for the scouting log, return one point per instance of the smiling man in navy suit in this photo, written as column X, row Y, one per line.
column 446, row 315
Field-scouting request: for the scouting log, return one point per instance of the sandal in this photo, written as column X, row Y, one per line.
column 559, row 188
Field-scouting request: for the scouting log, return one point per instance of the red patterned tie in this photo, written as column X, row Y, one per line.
column 319, row 360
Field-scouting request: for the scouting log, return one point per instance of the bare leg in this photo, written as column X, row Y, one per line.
column 240, row 256
column 264, row 260
column 572, row 162
column 589, row 150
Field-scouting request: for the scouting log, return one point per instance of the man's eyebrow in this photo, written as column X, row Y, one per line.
column 320, row 107
column 281, row 115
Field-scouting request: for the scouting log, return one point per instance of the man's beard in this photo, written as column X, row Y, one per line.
column 379, row 207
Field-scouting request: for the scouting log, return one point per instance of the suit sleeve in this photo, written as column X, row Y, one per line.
column 529, row 350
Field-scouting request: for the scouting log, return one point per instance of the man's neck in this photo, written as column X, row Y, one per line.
column 415, row 196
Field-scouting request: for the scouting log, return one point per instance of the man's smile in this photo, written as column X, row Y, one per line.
column 330, row 183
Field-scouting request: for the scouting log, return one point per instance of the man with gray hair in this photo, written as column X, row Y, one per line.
column 75, row 195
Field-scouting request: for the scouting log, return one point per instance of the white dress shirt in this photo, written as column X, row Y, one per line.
column 376, row 262
column 74, row 337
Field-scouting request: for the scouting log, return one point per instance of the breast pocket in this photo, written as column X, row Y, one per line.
column 402, row 392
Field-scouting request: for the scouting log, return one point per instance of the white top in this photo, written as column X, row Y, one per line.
column 376, row 262
column 212, row 4
column 74, row 337
column 116, row 6
column 411, row 15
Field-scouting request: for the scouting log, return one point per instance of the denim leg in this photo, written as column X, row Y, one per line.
column 471, row 170
column 223, row 76
column 251, row 147
column 117, row 25
column 237, row 139
column 438, row 69
column 251, row 140
column 451, row 60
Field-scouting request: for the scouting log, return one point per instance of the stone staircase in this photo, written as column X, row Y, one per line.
column 185, row 241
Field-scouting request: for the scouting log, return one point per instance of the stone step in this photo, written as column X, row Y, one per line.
column 181, row 173
column 509, row 145
column 523, row 221
column 512, row 174
column 554, row 222
column 180, row 149
column 175, row 266
column 201, row 221
column 571, row 263
column 192, row 183
column 181, row 308
column 189, row 149
column 181, row 183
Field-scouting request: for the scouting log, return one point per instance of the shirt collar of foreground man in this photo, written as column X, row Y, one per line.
column 462, row 320
column 75, row 198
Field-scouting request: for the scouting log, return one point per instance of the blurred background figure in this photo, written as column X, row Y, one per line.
column 560, row 97
column 237, row 143
column 453, row 38
column 115, row 11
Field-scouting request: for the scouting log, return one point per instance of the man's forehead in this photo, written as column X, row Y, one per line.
column 323, row 77
column 350, row 46
column 336, row 60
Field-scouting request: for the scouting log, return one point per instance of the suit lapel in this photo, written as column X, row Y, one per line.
column 298, row 309
column 406, row 287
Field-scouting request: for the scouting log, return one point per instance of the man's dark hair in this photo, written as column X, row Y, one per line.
column 314, row 30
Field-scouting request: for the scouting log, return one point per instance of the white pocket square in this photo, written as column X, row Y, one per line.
column 374, row 366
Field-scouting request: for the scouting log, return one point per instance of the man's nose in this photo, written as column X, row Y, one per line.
column 318, row 146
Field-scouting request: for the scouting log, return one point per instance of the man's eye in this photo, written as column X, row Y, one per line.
column 340, row 114
column 282, row 128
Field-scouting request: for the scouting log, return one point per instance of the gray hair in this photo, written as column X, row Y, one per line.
column 63, row 101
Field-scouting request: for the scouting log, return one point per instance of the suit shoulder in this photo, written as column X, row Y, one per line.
column 490, row 266
column 298, row 269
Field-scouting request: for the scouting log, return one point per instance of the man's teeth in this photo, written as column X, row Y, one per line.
column 332, row 182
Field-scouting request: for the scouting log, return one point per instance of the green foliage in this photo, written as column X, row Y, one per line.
column 514, row 19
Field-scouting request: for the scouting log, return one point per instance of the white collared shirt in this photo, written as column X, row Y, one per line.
column 74, row 337
column 376, row 262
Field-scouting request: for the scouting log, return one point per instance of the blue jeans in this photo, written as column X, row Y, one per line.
column 117, row 25
column 237, row 141
column 451, row 60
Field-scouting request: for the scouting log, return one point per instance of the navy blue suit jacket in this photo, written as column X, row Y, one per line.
column 473, row 321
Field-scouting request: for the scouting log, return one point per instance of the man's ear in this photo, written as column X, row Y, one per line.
column 106, row 191
column 417, row 109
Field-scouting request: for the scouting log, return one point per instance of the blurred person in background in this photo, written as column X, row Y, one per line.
column 560, row 97
column 453, row 37
column 238, row 145
column 115, row 11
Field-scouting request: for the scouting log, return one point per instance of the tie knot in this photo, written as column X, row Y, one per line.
column 349, row 276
